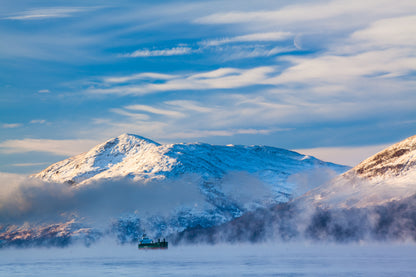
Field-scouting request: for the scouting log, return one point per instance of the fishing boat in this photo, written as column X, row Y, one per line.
column 146, row 243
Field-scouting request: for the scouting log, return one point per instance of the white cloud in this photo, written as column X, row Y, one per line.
column 255, row 52
column 384, row 49
column 11, row 125
column 154, row 110
column 28, row 164
column 398, row 31
column 139, row 76
column 187, row 105
column 224, row 78
column 135, row 116
column 270, row 36
column 351, row 77
column 204, row 118
column 57, row 147
column 217, row 73
column 189, row 134
column 38, row 121
column 176, row 51
column 39, row 14
column 44, row 91
column 237, row 52
column 342, row 68
column 322, row 10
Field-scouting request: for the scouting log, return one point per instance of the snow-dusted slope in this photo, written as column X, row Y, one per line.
column 386, row 176
column 141, row 159
column 116, row 157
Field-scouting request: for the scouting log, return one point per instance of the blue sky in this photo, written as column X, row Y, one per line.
column 332, row 78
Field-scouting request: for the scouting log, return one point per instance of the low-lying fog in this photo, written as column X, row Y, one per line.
column 276, row 259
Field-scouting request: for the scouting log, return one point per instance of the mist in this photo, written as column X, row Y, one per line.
column 188, row 210
column 297, row 221
column 36, row 213
column 107, row 258
column 33, row 200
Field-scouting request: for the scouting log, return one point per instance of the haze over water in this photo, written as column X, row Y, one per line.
column 275, row 259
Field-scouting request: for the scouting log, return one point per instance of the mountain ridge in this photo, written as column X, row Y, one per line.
column 140, row 158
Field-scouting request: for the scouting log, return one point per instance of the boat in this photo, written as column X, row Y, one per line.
column 147, row 243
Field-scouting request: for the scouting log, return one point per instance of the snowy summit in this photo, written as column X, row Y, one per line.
column 141, row 159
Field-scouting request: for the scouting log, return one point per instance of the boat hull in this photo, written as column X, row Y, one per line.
column 154, row 245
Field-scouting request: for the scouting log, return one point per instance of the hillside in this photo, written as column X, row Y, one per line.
column 388, row 175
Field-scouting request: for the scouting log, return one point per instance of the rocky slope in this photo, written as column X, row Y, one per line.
column 388, row 175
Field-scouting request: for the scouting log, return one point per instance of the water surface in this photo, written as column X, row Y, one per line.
column 107, row 259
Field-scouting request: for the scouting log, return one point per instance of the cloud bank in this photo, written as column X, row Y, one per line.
column 35, row 213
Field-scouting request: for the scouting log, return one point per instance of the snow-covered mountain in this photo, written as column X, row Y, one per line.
column 229, row 180
column 141, row 159
column 388, row 175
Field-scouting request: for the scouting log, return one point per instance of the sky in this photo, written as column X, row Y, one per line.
column 330, row 78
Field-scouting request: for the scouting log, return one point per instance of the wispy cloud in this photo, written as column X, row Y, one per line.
column 135, row 116
column 362, row 63
column 223, row 78
column 154, row 110
column 239, row 52
column 139, row 76
column 396, row 31
column 298, row 13
column 204, row 118
column 39, row 14
column 374, row 52
column 270, row 36
column 220, row 133
column 248, row 40
column 354, row 56
column 28, row 164
column 341, row 68
column 57, row 147
column 176, row 51
column 188, row 105
column 44, row 91
column 11, row 125
column 38, row 121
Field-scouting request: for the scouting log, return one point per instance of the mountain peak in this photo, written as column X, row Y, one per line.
column 134, row 138
column 103, row 160
column 393, row 161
